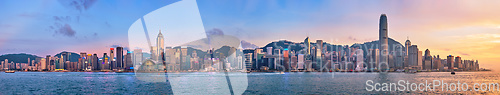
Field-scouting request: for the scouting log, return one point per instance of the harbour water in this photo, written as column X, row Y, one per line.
column 258, row 83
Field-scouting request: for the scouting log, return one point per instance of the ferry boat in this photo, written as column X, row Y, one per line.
column 282, row 72
column 10, row 71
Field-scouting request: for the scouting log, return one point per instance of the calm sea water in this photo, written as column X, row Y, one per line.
column 257, row 83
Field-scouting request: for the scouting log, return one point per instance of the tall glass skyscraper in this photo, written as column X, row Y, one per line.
column 119, row 58
column 384, row 51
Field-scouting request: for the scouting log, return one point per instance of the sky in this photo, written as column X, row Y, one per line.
column 466, row 28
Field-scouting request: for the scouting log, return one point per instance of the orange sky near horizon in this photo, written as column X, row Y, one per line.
column 470, row 29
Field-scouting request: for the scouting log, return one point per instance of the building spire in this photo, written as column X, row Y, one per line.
column 159, row 33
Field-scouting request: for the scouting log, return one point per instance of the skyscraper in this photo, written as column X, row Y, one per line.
column 318, row 58
column 61, row 61
column 427, row 60
column 95, row 62
column 407, row 47
column 307, row 43
column 359, row 59
column 293, row 61
column 248, row 61
column 372, row 59
column 269, row 50
column 90, row 59
column 300, row 61
column 286, row 59
column 413, row 55
column 137, row 58
column 159, row 46
column 47, row 61
column 458, row 62
column 105, row 62
column 398, row 57
column 476, row 65
column 437, row 63
column 185, row 59
column 42, row 65
column 420, row 60
column 112, row 65
column 128, row 60
column 2, row 65
column 383, row 43
column 154, row 53
column 450, row 62
column 119, row 58
column 319, row 44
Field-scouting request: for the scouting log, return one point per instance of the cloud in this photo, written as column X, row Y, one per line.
column 352, row 38
column 66, row 30
column 62, row 18
column 464, row 54
column 107, row 24
column 79, row 5
column 215, row 31
column 446, row 49
column 61, row 26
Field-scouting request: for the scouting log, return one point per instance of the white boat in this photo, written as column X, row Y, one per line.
column 10, row 71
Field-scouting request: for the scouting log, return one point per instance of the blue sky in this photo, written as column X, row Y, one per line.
column 46, row 27
column 470, row 29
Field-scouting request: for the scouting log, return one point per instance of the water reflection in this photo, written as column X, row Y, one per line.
column 259, row 83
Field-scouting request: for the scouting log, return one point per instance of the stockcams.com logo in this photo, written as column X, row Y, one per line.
column 170, row 46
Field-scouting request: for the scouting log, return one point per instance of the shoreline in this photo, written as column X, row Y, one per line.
column 264, row 71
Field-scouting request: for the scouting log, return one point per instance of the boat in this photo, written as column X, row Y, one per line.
column 119, row 71
column 10, row 71
column 412, row 71
column 452, row 72
column 400, row 70
column 282, row 72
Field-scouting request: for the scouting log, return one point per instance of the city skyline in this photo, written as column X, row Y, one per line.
column 471, row 33
column 322, row 54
